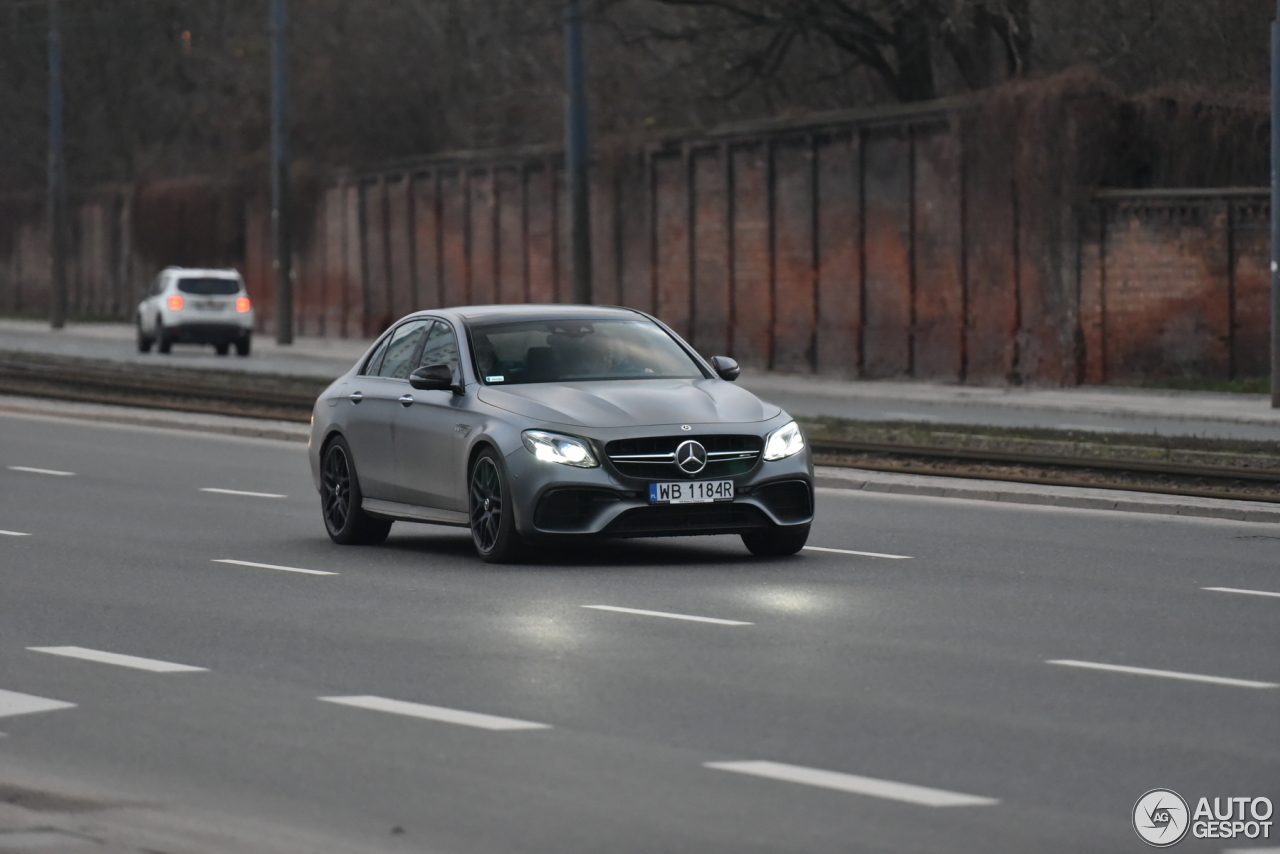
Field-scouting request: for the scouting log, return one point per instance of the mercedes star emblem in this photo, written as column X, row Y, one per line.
column 691, row 457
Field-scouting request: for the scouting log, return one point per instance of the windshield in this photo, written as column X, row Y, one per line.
column 547, row 351
column 209, row 287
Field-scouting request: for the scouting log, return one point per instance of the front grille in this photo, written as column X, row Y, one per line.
column 568, row 510
column 679, row 520
column 791, row 501
column 653, row 457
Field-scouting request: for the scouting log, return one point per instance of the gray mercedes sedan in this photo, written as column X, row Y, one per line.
column 527, row 422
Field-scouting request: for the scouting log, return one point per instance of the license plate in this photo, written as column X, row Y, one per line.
column 691, row 492
column 209, row 304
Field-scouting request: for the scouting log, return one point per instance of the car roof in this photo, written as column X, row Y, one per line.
column 204, row 272
column 558, row 311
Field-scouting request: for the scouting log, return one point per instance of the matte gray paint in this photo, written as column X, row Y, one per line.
column 451, row 427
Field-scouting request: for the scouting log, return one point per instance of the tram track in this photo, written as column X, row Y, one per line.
column 1249, row 471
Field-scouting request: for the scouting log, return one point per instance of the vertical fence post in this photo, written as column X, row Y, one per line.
column 577, row 156
column 57, row 201
column 281, row 244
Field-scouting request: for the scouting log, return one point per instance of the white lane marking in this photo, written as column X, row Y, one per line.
column 116, row 658
column 1167, row 674
column 860, row 554
column 1247, row 593
column 241, row 492
column 13, row 703
column 853, row 783
column 434, row 713
column 43, row 471
column 273, row 566
column 13, row 534
column 669, row 616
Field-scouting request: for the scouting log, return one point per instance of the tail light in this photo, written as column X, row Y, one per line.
column 242, row 304
column 175, row 303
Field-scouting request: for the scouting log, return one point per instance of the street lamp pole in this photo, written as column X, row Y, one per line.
column 577, row 155
column 281, row 244
column 57, row 189
column 1275, row 209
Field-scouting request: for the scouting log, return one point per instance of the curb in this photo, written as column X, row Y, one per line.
column 1054, row 496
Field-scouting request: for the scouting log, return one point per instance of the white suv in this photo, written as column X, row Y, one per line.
column 190, row 306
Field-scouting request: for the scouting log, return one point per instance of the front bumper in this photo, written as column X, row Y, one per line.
column 559, row 500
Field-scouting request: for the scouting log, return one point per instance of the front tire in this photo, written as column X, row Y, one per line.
column 340, row 497
column 493, row 524
column 776, row 542
column 242, row 346
column 222, row 349
column 164, row 343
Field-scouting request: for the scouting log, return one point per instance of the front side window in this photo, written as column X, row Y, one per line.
column 543, row 351
column 401, row 348
column 441, row 347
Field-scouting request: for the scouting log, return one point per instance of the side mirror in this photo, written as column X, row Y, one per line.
column 725, row 367
column 437, row 378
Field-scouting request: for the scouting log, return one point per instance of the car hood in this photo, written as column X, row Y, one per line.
column 631, row 403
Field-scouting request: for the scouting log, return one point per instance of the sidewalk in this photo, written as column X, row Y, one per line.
column 1090, row 408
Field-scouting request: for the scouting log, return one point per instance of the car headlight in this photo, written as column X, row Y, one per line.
column 554, row 448
column 784, row 442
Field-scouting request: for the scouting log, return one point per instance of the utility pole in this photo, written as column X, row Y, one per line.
column 57, row 201
column 1275, row 209
column 281, row 245
column 578, row 156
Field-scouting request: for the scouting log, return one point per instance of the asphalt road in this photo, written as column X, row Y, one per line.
column 889, row 704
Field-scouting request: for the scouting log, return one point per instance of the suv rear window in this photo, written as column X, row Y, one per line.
column 209, row 287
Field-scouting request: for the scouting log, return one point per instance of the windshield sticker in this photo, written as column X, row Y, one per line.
column 494, row 379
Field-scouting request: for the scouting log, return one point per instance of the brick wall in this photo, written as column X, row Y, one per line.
column 936, row 242
column 1175, row 284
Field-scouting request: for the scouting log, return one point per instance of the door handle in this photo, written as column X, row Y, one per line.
column 406, row 400
column 355, row 397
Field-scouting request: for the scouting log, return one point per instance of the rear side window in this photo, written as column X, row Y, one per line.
column 375, row 361
column 209, row 287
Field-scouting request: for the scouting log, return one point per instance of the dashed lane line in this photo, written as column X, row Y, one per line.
column 434, row 713
column 1167, row 674
column 241, row 492
column 13, row 703
column 13, row 534
column 854, row 784
column 859, row 554
column 43, row 471
column 667, row 615
column 1246, row 593
column 273, row 566
column 116, row 658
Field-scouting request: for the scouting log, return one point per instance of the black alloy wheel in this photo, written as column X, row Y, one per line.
column 340, row 498
column 492, row 525
column 776, row 542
